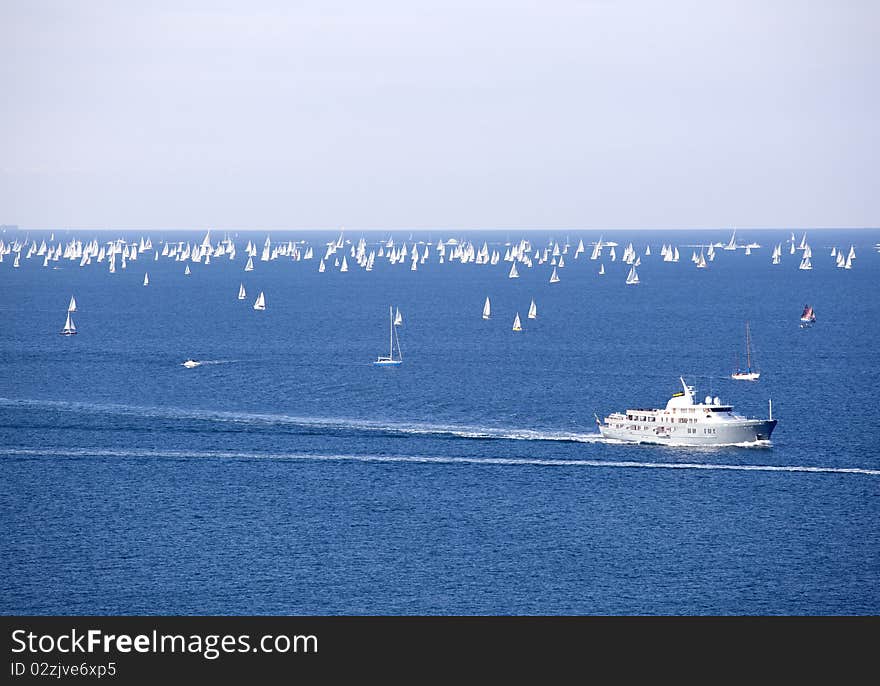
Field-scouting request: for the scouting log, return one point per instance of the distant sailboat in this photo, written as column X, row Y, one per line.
column 146, row 278
column 748, row 374
column 71, row 307
column 487, row 309
column 392, row 337
column 242, row 294
column 533, row 310
column 513, row 273
column 517, row 326
column 601, row 269
column 808, row 317
column 249, row 267
column 344, row 267
column 633, row 277
column 260, row 304
column 398, row 319
column 69, row 327
column 187, row 272
column 554, row 277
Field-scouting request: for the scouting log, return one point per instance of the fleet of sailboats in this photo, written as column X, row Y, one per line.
column 522, row 255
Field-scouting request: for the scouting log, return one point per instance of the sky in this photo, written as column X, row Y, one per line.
column 461, row 114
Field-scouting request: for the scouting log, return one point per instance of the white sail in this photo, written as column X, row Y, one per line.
column 516, row 323
column 601, row 269
column 249, row 267
column 392, row 337
column 513, row 273
column 242, row 294
column 554, row 277
column 69, row 327
column 632, row 278
column 146, row 279
column 71, row 307
column 260, row 304
column 187, row 271
column 487, row 309
column 344, row 267
column 398, row 318
column 321, row 267
column 533, row 310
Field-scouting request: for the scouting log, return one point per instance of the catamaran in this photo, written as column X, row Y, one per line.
column 260, row 304
column 392, row 337
column 748, row 374
column 69, row 327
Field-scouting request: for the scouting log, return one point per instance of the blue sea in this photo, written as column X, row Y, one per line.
column 288, row 475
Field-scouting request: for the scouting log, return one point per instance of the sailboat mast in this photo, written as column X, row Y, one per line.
column 748, row 349
column 390, row 332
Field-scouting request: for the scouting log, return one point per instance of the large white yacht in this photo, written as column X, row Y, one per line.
column 684, row 422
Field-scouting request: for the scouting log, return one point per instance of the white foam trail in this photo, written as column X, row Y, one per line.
column 507, row 461
column 414, row 428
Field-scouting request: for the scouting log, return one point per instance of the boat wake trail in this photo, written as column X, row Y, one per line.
column 486, row 461
column 313, row 423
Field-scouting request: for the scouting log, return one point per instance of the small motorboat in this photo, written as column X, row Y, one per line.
column 189, row 364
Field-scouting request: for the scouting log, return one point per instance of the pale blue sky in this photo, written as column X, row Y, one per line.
column 441, row 114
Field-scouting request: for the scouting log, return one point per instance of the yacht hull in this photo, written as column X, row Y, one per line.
column 743, row 431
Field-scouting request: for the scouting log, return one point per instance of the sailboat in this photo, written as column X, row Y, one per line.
column 633, row 277
column 72, row 306
column 513, row 273
column 808, row 317
column 69, row 327
column 554, row 277
column 390, row 359
column 146, row 278
column 533, row 310
column 260, row 304
column 242, row 294
column 748, row 374
column 187, row 271
column 249, row 267
column 398, row 318
column 601, row 269
column 517, row 326
column 487, row 309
